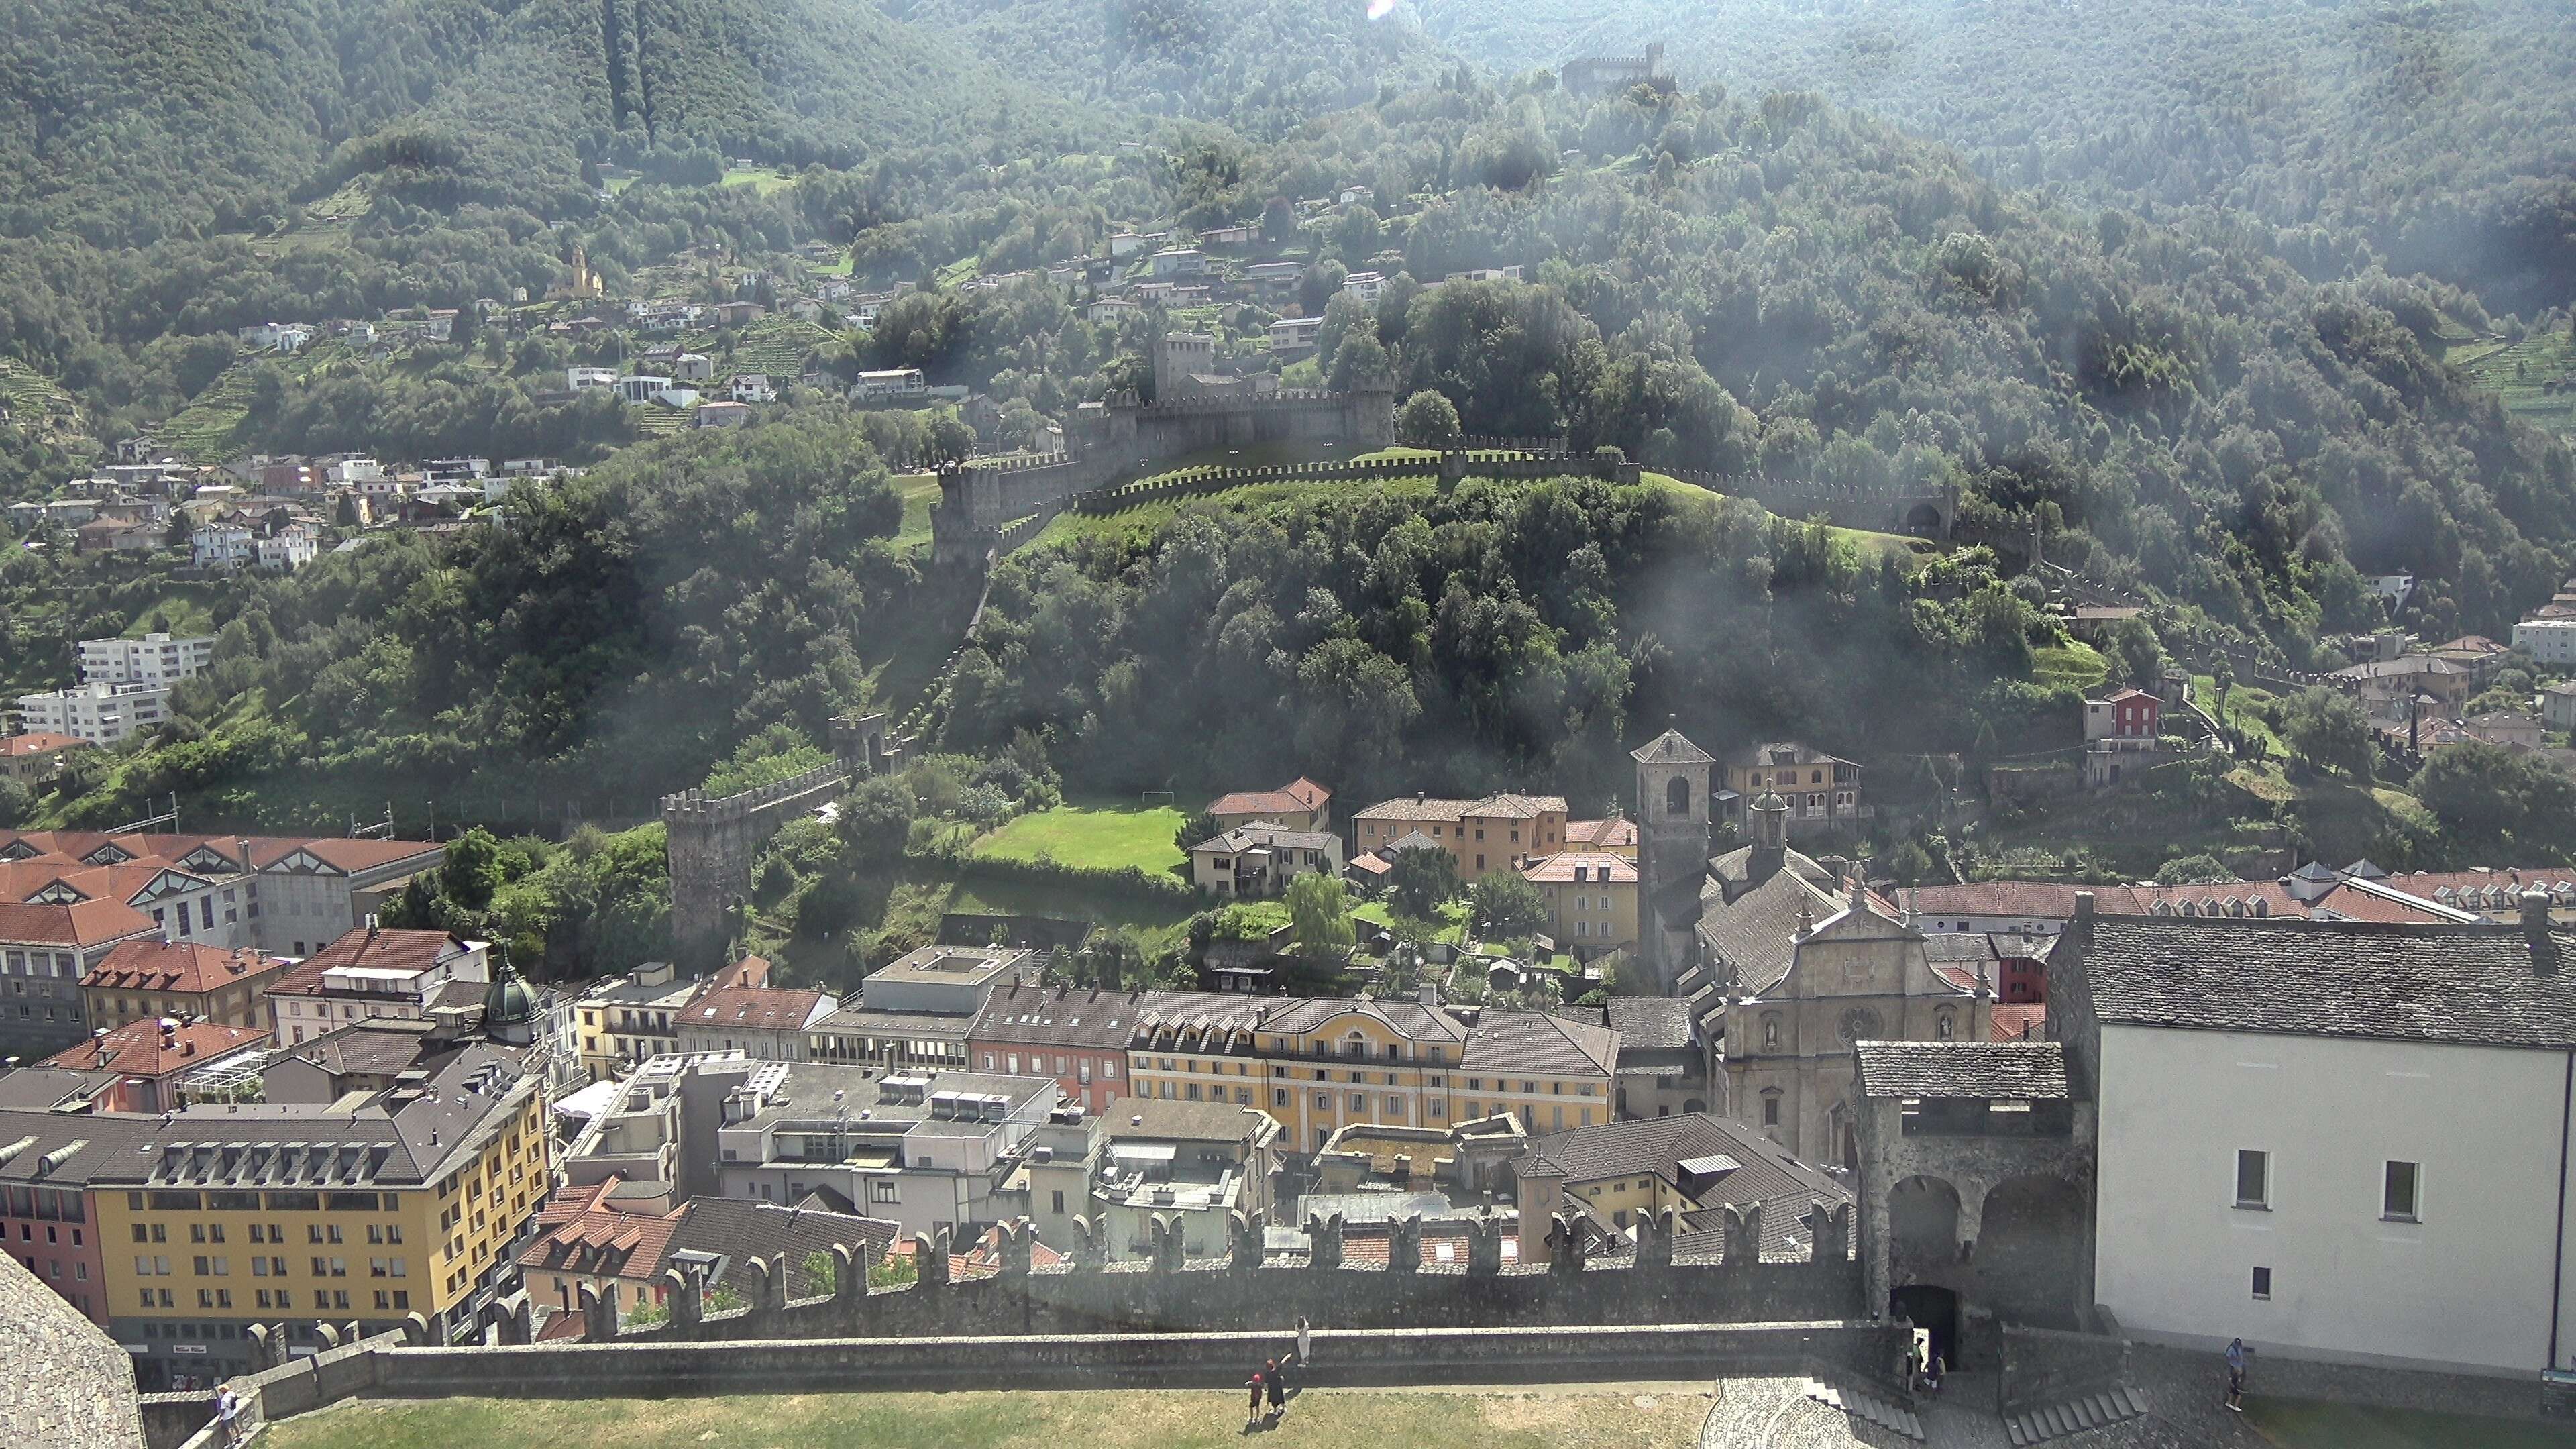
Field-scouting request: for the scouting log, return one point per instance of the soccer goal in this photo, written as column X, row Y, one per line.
column 1158, row 797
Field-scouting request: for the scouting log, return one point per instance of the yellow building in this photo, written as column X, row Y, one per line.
column 1495, row 833
column 411, row 1202
column 629, row 1019
column 146, row 980
column 1318, row 1064
column 1591, row 900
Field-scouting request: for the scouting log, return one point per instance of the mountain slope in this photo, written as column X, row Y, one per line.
column 2443, row 131
column 129, row 120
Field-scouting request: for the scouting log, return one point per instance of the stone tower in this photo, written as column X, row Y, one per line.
column 1672, row 849
column 1178, row 359
column 1768, row 820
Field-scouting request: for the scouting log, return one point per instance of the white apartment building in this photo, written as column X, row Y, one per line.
column 152, row 659
column 2338, row 1140
column 369, row 972
column 291, row 549
column 103, row 714
column 2551, row 641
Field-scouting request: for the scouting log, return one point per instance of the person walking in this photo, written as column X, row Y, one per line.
column 228, row 1412
column 1270, row 1381
column 1252, row 1415
column 2236, row 1375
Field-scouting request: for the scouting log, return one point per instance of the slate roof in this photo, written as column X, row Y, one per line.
column 1651, row 1023
column 374, row 1047
column 2009, row 1071
column 2477, row 985
column 1258, row 834
column 1670, row 748
column 1539, row 1043
column 1057, row 1016
column 1786, row 1187
column 1757, row 931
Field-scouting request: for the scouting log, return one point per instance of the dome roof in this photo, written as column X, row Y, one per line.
column 508, row 999
column 1769, row 800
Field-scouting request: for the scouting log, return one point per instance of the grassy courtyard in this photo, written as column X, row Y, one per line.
column 1571, row 1417
column 2305, row 1424
column 1093, row 835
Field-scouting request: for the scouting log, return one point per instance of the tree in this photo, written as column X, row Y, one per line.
column 1200, row 826
column 1419, row 878
column 472, row 871
column 14, row 803
column 1427, row 420
column 951, row 441
column 1317, row 912
column 1278, row 220
column 875, row 819
column 1910, row 863
column 2488, row 793
column 2201, row 869
column 2328, row 731
column 1507, row 906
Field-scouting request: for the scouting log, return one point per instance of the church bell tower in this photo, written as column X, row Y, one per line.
column 1672, row 849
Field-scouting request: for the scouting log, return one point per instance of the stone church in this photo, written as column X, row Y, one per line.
column 1786, row 961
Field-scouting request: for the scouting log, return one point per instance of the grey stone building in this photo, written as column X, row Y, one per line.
column 66, row 1384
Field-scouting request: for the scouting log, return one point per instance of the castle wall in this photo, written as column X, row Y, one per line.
column 712, row 841
column 1923, row 513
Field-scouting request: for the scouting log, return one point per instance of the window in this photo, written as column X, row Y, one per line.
column 2399, row 1193
column 1059, row 1202
column 884, row 1192
column 2253, row 1179
column 2263, row 1283
column 1770, row 1106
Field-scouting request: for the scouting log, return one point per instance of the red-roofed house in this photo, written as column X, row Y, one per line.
column 1301, row 804
column 1591, row 899
column 373, row 972
column 1617, row 835
column 45, row 950
column 149, row 1056
column 32, row 759
column 767, row 1022
column 147, row 980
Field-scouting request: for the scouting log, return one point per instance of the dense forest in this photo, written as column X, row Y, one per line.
column 2441, row 133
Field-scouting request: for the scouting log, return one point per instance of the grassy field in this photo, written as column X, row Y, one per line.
column 2301, row 1424
column 919, row 492
column 1587, row 1417
column 761, row 179
column 2519, row 371
column 1096, row 835
column 2075, row 663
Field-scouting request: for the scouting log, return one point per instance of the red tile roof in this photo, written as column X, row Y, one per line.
column 38, row 742
column 1294, row 798
column 381, row 950
column 86, row 923
column 139, row 1049
column 1612, row 834
column 177, row 966
column 764, row 1008
column 2019, row 1020
column 1562, row 867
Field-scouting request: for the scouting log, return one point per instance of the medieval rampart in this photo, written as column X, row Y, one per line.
column 1921, row 512
column 712, row 841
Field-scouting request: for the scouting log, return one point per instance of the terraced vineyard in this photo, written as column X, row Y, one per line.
column 2536, row 377
column 36, row 405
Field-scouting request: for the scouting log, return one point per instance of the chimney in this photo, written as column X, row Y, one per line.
column 2535, row 930
column 2082, row 925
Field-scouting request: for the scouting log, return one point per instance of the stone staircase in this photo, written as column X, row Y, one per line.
column 2091, row 1411
column 1867, row 1408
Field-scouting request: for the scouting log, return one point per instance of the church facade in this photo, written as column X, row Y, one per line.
column 1785, row 960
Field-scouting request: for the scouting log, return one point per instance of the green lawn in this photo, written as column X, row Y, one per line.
column 761, row 179
column 2303, row 1424
column 2074, row 662
column 919, row 492
column 1097, row 835
column 1605, row 1416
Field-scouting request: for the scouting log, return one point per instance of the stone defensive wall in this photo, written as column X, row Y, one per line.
column 1451, row 466
column 394, row 1366
column 713, row 839
column 1923, row 513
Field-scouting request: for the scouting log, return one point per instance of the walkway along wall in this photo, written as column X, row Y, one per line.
column 1920, row 512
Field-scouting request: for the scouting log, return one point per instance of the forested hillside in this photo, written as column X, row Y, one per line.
column 2443, row 132
column 129, row 120
column 1258, row 65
